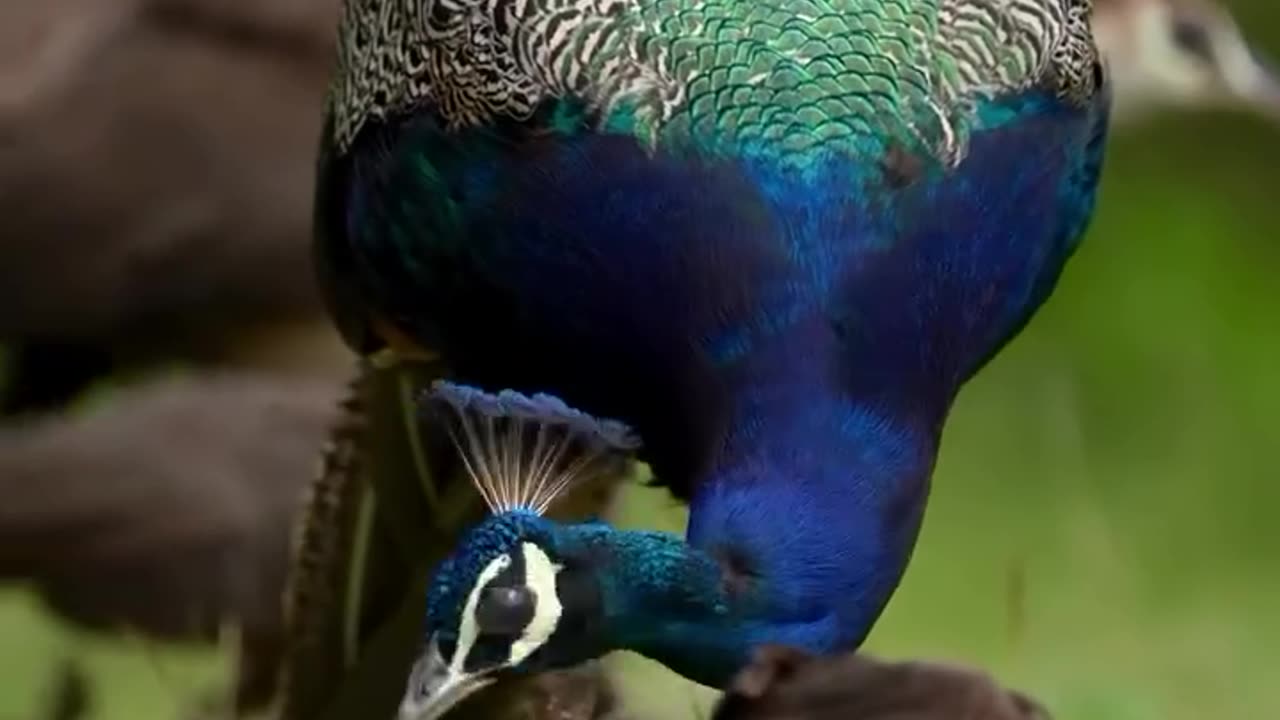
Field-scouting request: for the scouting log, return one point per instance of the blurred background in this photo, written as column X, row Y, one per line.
column 1103, row 527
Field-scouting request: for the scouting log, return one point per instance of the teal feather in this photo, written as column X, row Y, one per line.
column 723, row 75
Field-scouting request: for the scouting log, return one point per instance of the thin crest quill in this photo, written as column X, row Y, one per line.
column 530, row 450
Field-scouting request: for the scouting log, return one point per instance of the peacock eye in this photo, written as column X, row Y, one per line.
column 1193, row 38
column 505, row 610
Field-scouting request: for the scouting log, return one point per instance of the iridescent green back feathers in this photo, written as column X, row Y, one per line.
column 725, row 75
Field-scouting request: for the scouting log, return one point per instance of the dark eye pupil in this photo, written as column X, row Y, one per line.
column 504, row 610
column 1192, row 37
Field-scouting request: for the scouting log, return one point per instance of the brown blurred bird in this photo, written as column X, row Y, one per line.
column 1181, row 55
column 156, row 162
column 784, row 684
column 169, row 510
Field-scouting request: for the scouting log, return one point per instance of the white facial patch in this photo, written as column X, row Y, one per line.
column 540, row 577
column 1241, row 73
column 1165, row 72
column 468, row 630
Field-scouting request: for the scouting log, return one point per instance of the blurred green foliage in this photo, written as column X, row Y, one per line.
column 1103, row 530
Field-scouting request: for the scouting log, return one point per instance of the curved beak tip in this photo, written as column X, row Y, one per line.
column 1265, row 89
column 434, row 687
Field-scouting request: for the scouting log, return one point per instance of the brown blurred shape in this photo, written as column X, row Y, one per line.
column 168, row 512
column 784, row 684
column 156, row 165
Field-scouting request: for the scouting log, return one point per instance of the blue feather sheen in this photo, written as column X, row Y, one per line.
column 787, row 338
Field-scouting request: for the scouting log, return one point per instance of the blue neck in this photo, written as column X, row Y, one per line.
column 799, row 532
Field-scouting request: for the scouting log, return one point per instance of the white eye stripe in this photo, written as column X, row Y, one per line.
column 468, row 631
column 540, row 576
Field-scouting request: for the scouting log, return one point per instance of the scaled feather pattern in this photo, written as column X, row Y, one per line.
column 797, row 74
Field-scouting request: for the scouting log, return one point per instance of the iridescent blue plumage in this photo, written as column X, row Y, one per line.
column 784, row 324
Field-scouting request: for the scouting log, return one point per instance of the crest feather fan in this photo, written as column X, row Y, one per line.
column 523, row 452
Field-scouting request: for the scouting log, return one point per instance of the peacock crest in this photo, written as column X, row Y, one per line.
column 524, row 452
column 793, row 74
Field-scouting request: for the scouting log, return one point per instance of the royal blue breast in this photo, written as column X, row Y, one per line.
column 649, row 285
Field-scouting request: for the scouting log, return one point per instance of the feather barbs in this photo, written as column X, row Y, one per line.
column 798, row 75
column 524, row 452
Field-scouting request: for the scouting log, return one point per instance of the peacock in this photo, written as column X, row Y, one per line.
column 759, row 246
column 1183, row 54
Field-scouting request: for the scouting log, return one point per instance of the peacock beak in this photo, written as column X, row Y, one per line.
column 1254, row 80
column 1268, row 92
column 436, row 686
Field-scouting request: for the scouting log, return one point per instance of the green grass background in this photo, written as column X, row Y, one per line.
column 1103, row 530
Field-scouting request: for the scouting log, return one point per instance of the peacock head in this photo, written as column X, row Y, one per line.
column 520, row 593
column 1188, row 53
column 509, row 600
